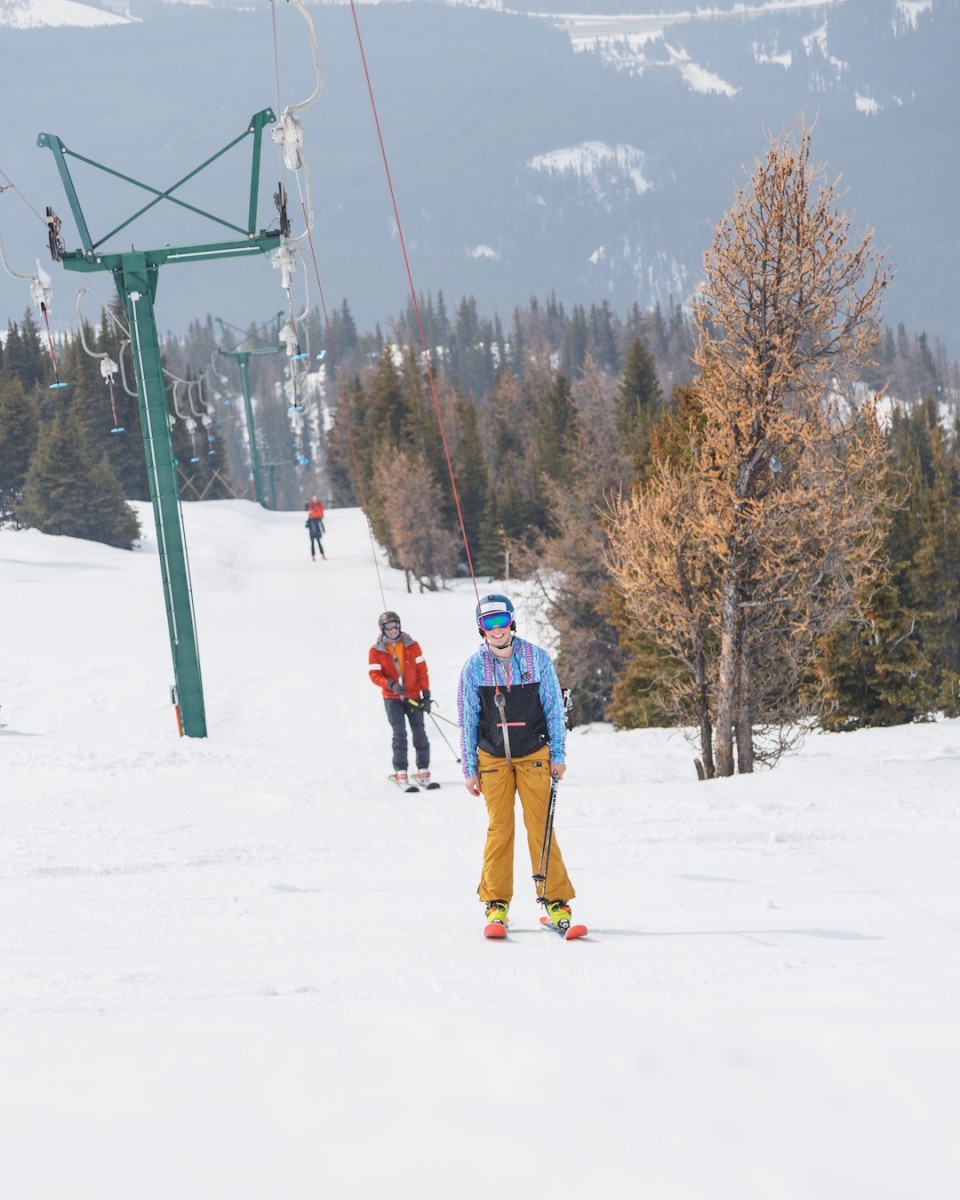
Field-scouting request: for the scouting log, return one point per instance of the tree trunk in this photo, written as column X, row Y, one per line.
column 743, row 717
column 727, row 681
column 707, row 765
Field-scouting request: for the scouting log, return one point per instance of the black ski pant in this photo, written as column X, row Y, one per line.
column 315, row 528
column 398, row 713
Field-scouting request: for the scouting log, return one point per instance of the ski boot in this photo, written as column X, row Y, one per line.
column 558, row 914
column 496, row 926
column 559, row 918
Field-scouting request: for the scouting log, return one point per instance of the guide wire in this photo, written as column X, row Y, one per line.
column 276, row 60
column 416, row 305
column 13, row 187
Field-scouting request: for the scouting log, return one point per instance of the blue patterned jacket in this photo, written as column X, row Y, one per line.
column 534, row 705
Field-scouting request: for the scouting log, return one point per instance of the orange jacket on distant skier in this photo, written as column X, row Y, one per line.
column 401, row 661
column 314, row 511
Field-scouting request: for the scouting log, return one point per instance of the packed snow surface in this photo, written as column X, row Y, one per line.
column 247, row 966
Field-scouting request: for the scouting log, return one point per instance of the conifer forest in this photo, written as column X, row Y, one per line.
column 741, row 517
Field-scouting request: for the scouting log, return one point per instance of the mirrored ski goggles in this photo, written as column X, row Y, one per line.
column 496, row 620
column 394, row 625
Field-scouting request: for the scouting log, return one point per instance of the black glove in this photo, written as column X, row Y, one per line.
column 396, row 687
column 425, row 702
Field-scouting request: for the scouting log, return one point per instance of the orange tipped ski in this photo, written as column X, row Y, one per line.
column 496, row 929
column 569, row 934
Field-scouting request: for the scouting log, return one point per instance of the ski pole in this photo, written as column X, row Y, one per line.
column 444, row 736
column 418, row 704
column 435, row 715
column 441, row 717
column 540, row 879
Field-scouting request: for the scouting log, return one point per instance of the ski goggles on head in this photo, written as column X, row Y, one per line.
column 495, row 620
column 391, row 625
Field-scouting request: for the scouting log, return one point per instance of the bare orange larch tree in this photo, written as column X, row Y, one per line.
column 737, row 561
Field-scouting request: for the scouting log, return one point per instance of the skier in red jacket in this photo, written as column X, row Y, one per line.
column 399, row 670
column 315, row 526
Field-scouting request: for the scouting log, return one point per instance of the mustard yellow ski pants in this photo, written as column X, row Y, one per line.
column 530, row 777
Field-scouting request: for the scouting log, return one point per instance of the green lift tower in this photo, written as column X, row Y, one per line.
column 135, row 274
column 242, row 358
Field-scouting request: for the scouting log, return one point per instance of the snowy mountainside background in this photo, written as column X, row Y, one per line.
column 587, row 153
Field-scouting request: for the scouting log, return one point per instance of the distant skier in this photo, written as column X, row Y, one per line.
column 315, row 525
column 398, row 668
column 512, row 740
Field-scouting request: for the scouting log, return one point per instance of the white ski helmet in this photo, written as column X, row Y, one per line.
column 495, row 603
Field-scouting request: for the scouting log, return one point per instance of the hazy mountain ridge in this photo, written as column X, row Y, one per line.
column 38, row 14
column 524, row 163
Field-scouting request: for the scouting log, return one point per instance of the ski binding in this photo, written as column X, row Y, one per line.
column 568, row 932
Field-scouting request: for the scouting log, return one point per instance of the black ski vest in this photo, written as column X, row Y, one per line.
column 526, row 722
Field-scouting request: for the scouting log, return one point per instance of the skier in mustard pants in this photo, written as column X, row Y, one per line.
column 512, row 741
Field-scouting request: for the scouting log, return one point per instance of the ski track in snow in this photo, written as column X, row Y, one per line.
column 246, row 966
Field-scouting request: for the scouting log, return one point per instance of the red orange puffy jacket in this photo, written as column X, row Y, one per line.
column 400, row 660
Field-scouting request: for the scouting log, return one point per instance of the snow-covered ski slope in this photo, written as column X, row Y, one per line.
column 248, row 967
